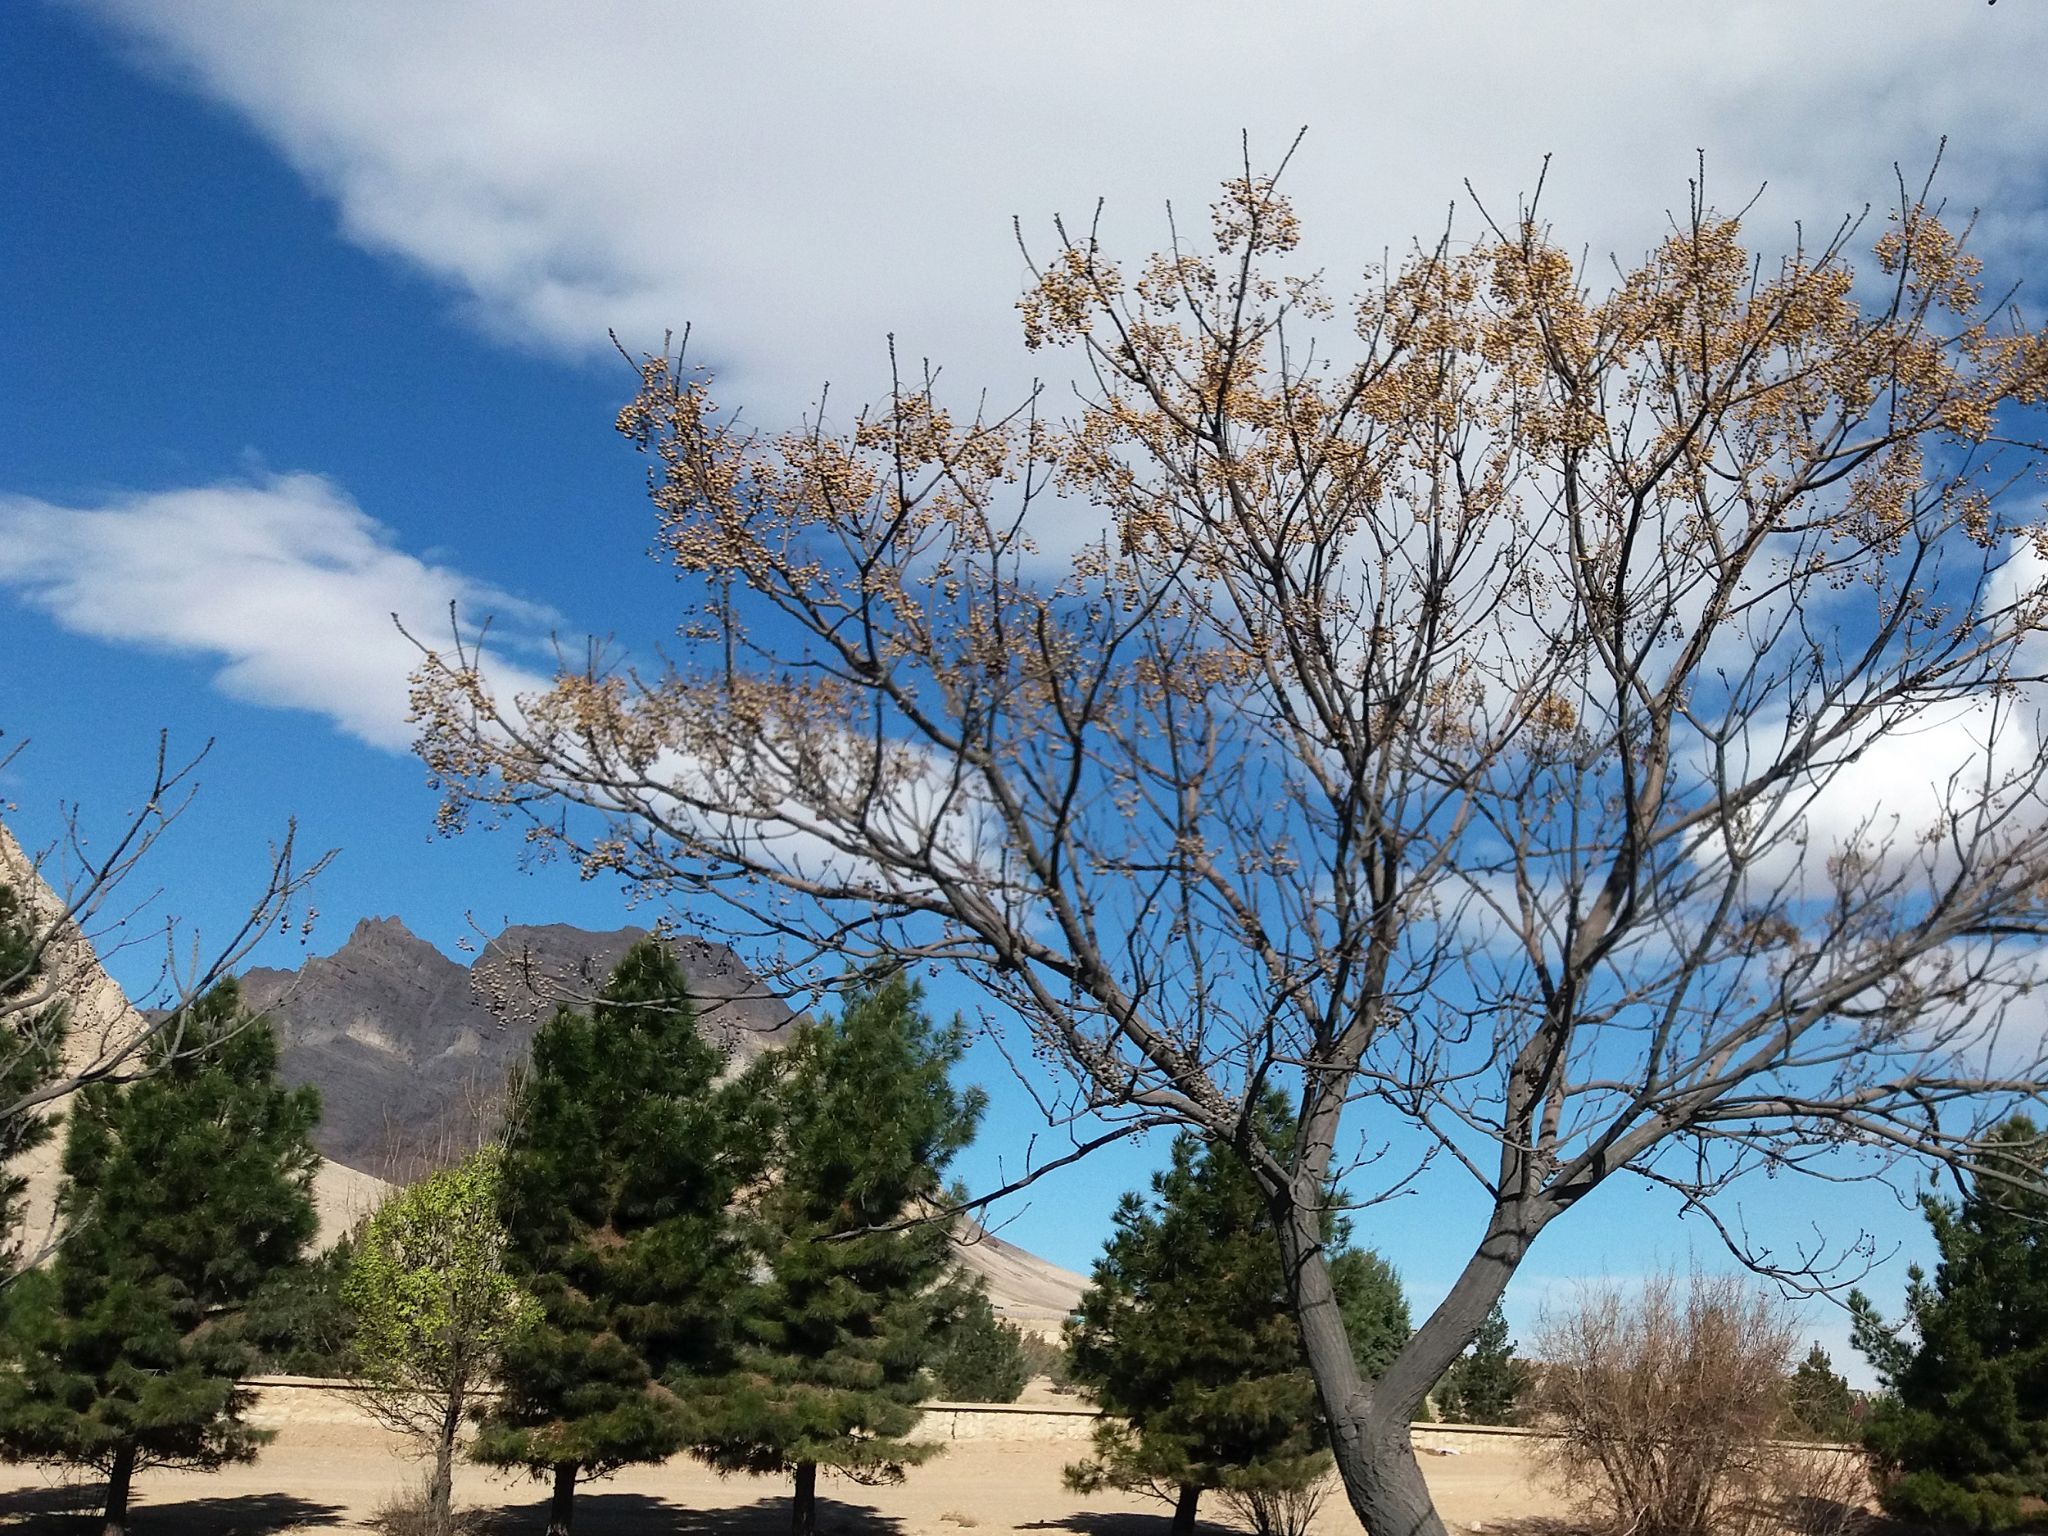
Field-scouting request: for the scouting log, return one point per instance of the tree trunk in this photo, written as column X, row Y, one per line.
column 1369, row 1423
column 1184, row 1510
column 118, row 1478
column 441, row 1486
column 803, row 1509
column 563, row 1507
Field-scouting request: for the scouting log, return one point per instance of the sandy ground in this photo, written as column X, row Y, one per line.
column 333, row 1477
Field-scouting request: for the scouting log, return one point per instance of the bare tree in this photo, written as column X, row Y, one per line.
column 1585, row 724
column 81, row 902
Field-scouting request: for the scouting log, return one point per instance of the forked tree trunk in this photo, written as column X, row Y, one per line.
column 803, row 1509
column 1184, row 1510
column 118, row 1478
column 1369, row 1425
column 562, row 1508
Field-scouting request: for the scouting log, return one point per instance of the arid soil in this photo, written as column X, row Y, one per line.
column 333, row 1476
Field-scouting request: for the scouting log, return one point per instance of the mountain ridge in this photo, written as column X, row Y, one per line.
column 410, row 1050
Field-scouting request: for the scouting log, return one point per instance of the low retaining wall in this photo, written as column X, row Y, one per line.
column 283, row 1401
column 1008, row 1421
column 286, row 1401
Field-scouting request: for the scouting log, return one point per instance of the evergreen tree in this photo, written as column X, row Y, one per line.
column 1374, row 1305
column 433, row 1311
column 623, row 1158
column 299, row 1323
column 980, row 1358
column 1486, row 1382
column 1818, row 1402
column 842, row 1324
column 31, row 1053
column 1964, row 1433
column 185, row 1193
column 1187, row 1339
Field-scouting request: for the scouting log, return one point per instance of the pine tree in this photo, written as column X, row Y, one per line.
column 300, row 1323
column 1374, row 1305
column 185, row 1193
column 1964, row 1433
column 841, row 1326
column 1187, row 1339
column 981, row 1357
column 1487, row 1381
column 1818, row 1402
column 621, row 1163
column 434, row 1312
column 31, row 1053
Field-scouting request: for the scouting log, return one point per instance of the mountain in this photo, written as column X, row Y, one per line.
column 410, row 1050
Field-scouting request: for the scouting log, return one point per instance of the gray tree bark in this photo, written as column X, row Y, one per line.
column 1369, row 1422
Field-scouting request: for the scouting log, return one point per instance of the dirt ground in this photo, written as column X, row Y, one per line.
column 333, row 1477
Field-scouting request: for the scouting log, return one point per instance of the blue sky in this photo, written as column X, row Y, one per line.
column 305, row 309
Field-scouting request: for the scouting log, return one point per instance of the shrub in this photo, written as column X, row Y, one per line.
column 1047, row 1358
column 1668, row 1401
column 1278, row 1511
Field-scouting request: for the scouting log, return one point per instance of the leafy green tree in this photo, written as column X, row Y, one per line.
column 854, row 1291
column 619, row 1174
column 1963, row 1435
column 1186, row 1337
column 1487, row 1381
column 185, row 1193
column 1818, row 1402
column 31, row 1054
column 980, row 1358
column 434, row 1311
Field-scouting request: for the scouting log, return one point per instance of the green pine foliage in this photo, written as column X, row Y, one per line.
column 619, row 1170
column 299, row 1323
column 31, row 1054
column 1963, row 1435
column 1186, row 1338
column 1818, row 1402
column 185, row 1193
column 844, row 1318
column 981, row 1358
column 1485, row 1384
column 1374, row 1305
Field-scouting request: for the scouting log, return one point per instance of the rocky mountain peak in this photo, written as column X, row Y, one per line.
column 411, row 1049
column 376, row 934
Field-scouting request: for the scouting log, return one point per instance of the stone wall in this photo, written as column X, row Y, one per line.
column 283, row 1401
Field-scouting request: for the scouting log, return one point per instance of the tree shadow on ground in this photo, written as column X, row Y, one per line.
column 1121, row 1522
column 1538, row 1525
column 70, row 1507
column 640, row 1514
column 50, row 1500
column 1819, row 1515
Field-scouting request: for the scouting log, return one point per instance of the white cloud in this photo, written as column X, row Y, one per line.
column 800, row 180
column 284, row 581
